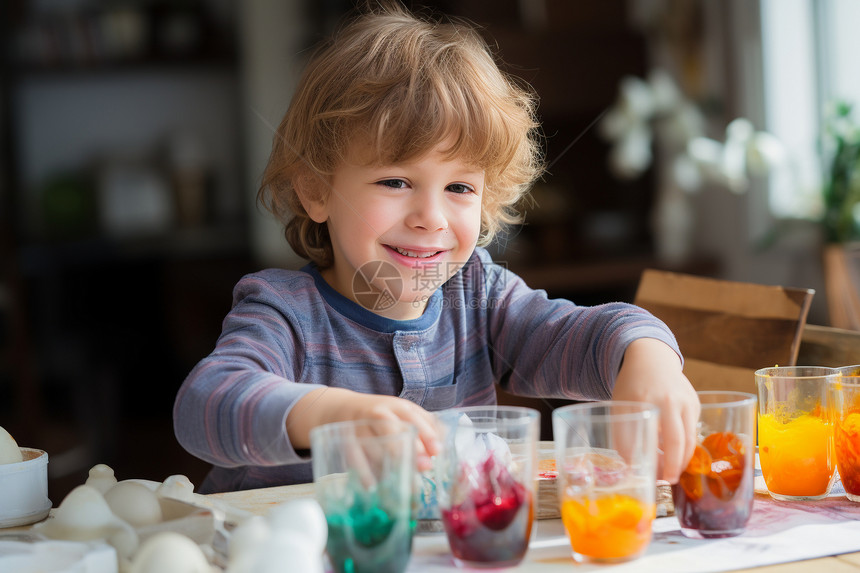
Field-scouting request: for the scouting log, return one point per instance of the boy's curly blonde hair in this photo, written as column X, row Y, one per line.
column 404, row 85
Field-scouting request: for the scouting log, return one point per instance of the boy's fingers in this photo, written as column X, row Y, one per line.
column 690, row 419
column 430, row 441
column 424, row 462
column 427, row 444
column 358, row 461
column 428, row 433
column 674, row 438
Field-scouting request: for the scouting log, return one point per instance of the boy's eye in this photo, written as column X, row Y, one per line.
column 459, row 188
column 393, row 183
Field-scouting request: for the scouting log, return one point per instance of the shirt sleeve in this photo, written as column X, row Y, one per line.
column 232, row 408
column 553, row 348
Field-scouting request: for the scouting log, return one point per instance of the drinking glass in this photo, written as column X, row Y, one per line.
column 487, row 477
column 846, row 409
column 795, row 431
column 714, row 497
column 606, row 457
column 364, row 476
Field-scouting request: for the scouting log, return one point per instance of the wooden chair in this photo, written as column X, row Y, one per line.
column 828, row 346
column 726, row 329
column 842, row 285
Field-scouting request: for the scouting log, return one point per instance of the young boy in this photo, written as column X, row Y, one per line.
column 404, row 148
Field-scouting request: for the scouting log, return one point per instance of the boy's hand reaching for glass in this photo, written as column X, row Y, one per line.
column 327, row 405
column 651, row 372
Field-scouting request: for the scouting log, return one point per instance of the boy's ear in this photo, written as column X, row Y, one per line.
column 311, row 197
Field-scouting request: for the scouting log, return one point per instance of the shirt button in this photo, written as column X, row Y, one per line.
column 407, row 344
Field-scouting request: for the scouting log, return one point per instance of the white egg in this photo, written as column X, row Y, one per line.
column 10, row 453
column 284, row 551
column 83, row 514
column 177, row 487
column 248, row 537
column 101, row 477
column 169, row 552
column 134, row 503
column 302, row 516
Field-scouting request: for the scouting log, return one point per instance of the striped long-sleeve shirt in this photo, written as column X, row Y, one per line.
column 289, row 333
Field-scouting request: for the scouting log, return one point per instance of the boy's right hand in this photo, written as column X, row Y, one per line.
column 327, row 405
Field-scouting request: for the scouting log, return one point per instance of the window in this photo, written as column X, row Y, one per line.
column 809, row 52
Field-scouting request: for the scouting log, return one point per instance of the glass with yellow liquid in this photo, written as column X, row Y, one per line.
column 796, row 431
column 606, row 457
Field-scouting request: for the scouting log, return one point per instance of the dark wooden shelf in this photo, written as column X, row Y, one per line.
column 562, row 279
column 198, row 64
column 37, row 257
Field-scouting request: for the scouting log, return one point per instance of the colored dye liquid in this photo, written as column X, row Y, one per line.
column 493, row 523
column 714, row 496
column 847, row 436
column 797, row 457
column 368, row 539
column 611, row 527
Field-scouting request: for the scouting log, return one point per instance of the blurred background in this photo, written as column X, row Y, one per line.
column 689, row 135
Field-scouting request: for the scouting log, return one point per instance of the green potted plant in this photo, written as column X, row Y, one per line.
column 841, row 190
column 841, row 217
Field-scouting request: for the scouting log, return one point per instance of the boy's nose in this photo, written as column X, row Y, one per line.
column 427, row 212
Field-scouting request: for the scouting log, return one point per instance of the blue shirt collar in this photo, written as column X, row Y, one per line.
column 357, row 313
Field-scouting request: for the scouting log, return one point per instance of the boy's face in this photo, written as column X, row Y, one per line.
column 400, row 231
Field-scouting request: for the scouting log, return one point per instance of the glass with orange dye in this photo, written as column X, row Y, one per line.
column 795, row 431
column 606, row 458
column 714, row 496
column 797, row 456
column 846, row 407
column 615, row 526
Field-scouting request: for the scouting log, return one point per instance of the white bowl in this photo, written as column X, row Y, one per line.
column 24, row 489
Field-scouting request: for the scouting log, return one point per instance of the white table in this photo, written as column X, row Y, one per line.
column 783, row 532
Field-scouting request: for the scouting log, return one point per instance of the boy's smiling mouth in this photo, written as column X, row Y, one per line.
column 414, row 254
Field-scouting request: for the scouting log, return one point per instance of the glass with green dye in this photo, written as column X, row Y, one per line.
column 364, row 473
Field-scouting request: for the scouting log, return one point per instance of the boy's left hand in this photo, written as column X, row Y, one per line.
column 651, row 372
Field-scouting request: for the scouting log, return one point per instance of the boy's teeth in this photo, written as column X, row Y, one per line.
column 414, row 253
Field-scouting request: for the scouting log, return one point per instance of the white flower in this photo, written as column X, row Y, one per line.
column 656, row 111
column 631, row 155
column 665, row 92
